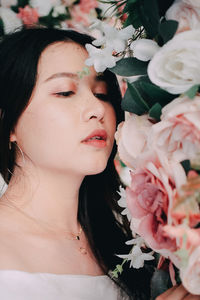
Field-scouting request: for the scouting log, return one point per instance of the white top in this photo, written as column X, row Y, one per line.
column 20, row 285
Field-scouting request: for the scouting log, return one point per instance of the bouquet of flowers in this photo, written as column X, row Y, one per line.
column 157, row 51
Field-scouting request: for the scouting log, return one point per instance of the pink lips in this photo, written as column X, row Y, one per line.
column 96, row 139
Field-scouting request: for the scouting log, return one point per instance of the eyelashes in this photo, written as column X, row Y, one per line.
column 65, row 94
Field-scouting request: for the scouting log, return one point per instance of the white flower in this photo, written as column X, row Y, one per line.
column 137, row 257
column 58, row 10
column 3, row 186
column 194, row 3
column 100, row 58
column 122, row 203
column 113, row 38
column 187, row 15
column 10, row 20
column 44, row 7
column 175, row 67
column 144, row 49
column 8, row 3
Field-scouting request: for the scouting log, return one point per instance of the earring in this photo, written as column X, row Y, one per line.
column 10, row 145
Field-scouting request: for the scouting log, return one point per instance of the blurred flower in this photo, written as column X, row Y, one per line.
column 28, row 15
column 113, row 38
column 87, row 5
column 194, row 3
column 131, row 147
column 175, row 67
column 178, row 133
column 190, row 275
column 187, row 15
column 8, row 3
column 58, row 10
column 44, row 7
column 100, row 58
column 144, row 49
column 10, row 20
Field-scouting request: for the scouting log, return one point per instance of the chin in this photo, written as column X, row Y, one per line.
column 96, row 169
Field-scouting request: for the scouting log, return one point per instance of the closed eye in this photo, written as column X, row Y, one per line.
column 64, row 94
column 103, row 97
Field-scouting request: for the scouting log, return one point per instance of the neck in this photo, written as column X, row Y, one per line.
column 47, row 196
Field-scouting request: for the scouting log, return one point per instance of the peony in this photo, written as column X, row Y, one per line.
column 178, row 132
column 87, row 5
column 187, row 15
column 194, row 3
column 190, row 275
column 149, row 200
column 175, row 67
column 131, row 137
column 10, row 20
column 28, row 15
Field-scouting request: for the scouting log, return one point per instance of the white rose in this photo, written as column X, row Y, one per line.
column 10, row 20
column 175, row 67
column 190, row 275
column 187, row 16
column 44, row 7
column 8, row 3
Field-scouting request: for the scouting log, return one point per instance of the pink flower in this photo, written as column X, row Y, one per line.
column 87, row 5
column 28, row 15
column 187, row 14
column 190, row 274
column 78, row 18
column 150, row 198
column 178, row 132
column 131, row 137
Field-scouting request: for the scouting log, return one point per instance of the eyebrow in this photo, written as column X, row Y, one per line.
column 75, row 76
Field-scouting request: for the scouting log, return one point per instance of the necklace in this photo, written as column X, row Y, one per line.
column 74, row 237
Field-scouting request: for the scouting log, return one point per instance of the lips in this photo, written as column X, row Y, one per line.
column 97, row 138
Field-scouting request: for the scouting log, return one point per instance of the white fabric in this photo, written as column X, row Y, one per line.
column 20, row 285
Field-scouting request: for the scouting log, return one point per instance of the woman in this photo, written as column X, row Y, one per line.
column 58, row 217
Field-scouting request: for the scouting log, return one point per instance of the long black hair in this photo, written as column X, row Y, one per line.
column 98, row 211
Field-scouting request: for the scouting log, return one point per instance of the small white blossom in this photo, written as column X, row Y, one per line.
column 138, row 241
column 144, row 49
column 10, row 20
column 3, row 186
column 137, row 257
column 58, row 10
column 100, row 58
column 122, row 203
column 113, row 38
column 44, row 7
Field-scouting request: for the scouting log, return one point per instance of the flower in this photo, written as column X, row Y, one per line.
column 113, row 38
column 44, row 7
column 87, row 5
column 137, row 257
column 150, row 198
column 58, row 10
column 130, row 148
column 190, row 274
column 100, row 58
column 175, row 67
column 178, row 132
column 144, row 49
column 194, row 3
column 28, row 15
column 10, row 20
column 186, row 14
column 8, row 3
column 122, row 203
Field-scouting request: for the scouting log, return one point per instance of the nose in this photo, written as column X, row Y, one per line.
column 93, row 108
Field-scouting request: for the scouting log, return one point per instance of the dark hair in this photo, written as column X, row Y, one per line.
column 19, row 56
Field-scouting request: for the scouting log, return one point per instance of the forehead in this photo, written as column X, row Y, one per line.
column 62, row 57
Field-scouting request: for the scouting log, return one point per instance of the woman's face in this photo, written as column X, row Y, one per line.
column 68, row 125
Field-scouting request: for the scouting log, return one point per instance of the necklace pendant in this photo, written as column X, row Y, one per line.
column 83, row 250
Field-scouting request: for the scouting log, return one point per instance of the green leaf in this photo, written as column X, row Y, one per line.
column 160, row 282
column 119, row 268
column 133, row 101
column 191, row 93
column 155, row 111
column 130, row 66
column 167, row 30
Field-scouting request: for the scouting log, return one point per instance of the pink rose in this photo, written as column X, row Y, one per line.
column 190, row 274
column 28, row 15
column 186, row 14
column 178, row 132
column 87, row 5
column 131, row 137
column 149, row 199
column 79, row 18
